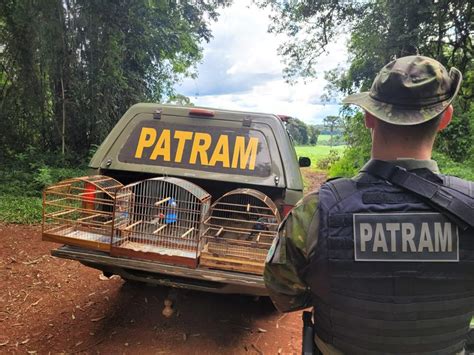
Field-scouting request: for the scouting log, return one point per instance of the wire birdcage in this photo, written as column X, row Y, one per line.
column 239, row 231
column 79, row 211
column 163, row 220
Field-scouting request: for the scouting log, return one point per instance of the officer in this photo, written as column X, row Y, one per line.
column 386, row 258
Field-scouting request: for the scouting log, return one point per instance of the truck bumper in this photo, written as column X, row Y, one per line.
column 199, row 279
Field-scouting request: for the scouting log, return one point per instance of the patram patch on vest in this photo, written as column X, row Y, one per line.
column 407, row 237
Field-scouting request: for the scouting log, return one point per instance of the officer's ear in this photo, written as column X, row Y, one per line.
column 369, row 120
column 446, row 118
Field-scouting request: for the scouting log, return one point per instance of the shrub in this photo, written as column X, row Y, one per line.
column 449, row 167
column 325, row 163
column 20, row 209
column 46, row 175
column 349, row 164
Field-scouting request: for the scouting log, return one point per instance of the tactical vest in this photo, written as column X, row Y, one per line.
column 376, row 307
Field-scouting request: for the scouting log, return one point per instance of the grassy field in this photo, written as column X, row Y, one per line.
column 324, row 138
column 316, row 153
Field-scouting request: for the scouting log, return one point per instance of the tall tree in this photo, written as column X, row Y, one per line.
column 70, row 68
column 313, row 133
column 298, row 131
column 379, row 31
column 332, row 123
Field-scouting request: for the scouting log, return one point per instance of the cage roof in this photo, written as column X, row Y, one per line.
column 104, row 183
column 266, row 201
column 194, row 189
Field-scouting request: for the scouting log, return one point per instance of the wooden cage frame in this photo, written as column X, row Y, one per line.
column 222, row 244
column 79, row 211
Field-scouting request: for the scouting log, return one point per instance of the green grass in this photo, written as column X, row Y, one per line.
column 21, row 187
column 20, row 209
column 317, row 152
column 324, row 138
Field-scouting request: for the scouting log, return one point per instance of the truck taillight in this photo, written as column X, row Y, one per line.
column 285, row 209
column 201, row 112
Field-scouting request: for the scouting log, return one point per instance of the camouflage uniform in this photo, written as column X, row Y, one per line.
column 407, row 91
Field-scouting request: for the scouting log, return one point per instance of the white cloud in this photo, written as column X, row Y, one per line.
column 241, row 69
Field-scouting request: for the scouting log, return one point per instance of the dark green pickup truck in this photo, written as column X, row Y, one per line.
column 244, row 161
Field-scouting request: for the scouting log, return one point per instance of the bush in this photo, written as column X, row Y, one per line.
column 456, row 140
column 349, row 164
column 449, row 167
column 20, row 209
column 46, row 175
column 22, row 179
column 325, row 163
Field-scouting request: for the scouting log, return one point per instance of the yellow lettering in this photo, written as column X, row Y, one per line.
column 182, row 137
column 146, row 140
column 221, row 152
column 245, row 154
column 201, row 143
column 163, row 146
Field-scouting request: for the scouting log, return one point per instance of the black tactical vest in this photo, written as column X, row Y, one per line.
column 409, row 306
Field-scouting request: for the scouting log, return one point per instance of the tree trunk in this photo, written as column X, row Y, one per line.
column 63, row 129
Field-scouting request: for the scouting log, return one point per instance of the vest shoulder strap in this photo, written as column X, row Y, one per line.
column 342, row 188
column 460, row 185
column 437, row 195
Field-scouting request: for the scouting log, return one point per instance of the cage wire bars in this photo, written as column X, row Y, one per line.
column 160, row 219
column 239, row 231
column 79, row 211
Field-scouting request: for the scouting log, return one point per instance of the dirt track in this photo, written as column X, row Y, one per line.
column 55, row 305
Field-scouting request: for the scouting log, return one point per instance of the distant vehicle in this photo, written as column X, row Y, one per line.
column 180, row 196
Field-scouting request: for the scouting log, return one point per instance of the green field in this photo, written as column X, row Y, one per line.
column 317, row 152
column 324, row 138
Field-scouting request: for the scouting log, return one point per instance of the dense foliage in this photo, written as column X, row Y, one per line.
column 70, row 68
column 310, row 134
column 381, row 30
column 24, row 176
column 301, row 133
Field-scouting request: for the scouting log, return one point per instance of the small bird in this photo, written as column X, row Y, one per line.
column 260, row 225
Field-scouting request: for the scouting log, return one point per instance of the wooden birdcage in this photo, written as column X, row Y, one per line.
column 79, row 211
column 163, row 221
column 239, row 231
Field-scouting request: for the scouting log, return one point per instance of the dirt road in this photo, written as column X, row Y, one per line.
column 55, row 305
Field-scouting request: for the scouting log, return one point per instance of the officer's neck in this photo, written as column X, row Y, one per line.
column 383, row 150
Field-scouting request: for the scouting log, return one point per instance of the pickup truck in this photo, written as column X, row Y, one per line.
column 221, row 152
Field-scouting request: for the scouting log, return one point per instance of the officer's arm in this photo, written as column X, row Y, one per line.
column 288, row 257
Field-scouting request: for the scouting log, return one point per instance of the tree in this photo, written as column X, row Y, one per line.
column 332, row 123
column 70, row 68
column 298, row 131
column 180, row 100
column 381, row 30
column 313, row 133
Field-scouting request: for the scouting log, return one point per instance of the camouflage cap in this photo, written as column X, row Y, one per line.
column 409, row 91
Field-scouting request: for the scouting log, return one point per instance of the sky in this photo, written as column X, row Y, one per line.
column 241, row 70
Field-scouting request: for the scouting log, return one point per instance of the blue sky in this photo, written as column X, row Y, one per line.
column 241, row 69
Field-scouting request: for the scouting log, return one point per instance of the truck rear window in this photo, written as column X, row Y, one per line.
column 242, row 151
